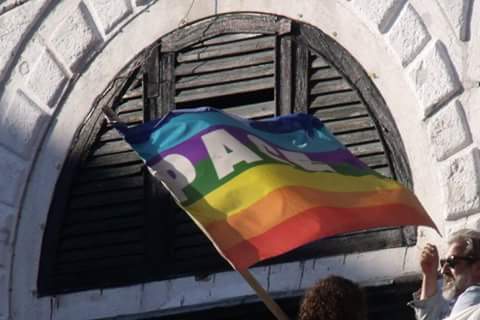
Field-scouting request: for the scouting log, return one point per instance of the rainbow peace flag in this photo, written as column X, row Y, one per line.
column 258, row 189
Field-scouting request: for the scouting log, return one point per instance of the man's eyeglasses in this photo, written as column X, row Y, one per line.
column 452, row 261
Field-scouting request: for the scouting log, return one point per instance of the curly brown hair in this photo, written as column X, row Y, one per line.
column 334, row 298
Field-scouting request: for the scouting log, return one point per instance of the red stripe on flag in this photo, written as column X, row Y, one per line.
column 318, row 223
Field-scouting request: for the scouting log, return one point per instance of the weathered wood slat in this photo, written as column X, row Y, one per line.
column 341, row 112
column 94, row 265
column 385, row 171
column 186, row 228
column 104, row 239
column 336, row 85
column 123, row 223
column 224, row 76
column 107, row 198
column 131, row 117
column 113, row 251
column 111, row 276
column 134, row 93
column 129, row 106
column 366, row 149
column 181, row 217
column 97, row 214
column 204, row 251
column 301, row 83
column 375, row 160
column 323, row 74
column 109, row 185
column 352, row 242
column 228, row 38
column 110, row 134
column 111, row 147
column 347, row 125
column 224, row 63
column 256, row 110
column 92, row 175
column 223, row 50
column 225, row 89
column 193, row 240
column 349, row 138
column 335, row 99
column 284, row 79
column 319, row 62
column 221, row 25
column 115, row 159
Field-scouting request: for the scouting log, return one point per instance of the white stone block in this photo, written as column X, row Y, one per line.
column 285, row 277
column 448, row 130
column 380, row 13
column 411, row 264
column 434, row 78
column 80, row 305
column 191, row 291
column 155, row 295
column 231, row 285
column 5, row 254
column 316, row 269
column 452, row 226
column 48, row 79
column 6, row 230
column 6, row 223
column 374, row 266
column 4, row 300
column 459, row 14
column 76, row 37
column 473, row 221
column 13, row 171
column 408, row 35
column 461, row 177
column 119, row 301
column 95, row 304
column 110, row 12
column 14, row 24
column 22, row 125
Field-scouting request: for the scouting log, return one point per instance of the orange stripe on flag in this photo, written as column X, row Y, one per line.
column 285, row 203
column 318, row 223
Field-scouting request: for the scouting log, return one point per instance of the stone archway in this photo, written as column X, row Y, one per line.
column 67, row 53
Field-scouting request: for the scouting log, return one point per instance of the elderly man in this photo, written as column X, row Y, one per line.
column 459, row 296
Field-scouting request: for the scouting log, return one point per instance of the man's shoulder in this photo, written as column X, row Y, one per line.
column 470, row 297
column 474, row 289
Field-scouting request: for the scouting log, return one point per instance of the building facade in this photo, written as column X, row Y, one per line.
column 398, row 80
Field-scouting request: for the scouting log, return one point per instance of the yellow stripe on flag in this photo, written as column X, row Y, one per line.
column 252, row 185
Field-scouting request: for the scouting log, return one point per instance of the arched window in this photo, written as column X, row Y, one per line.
column 110, row 224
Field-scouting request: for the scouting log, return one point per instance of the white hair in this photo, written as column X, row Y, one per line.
column 470, row 238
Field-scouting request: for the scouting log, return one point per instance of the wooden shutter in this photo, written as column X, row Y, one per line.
column 334, row 101
column 112, row 224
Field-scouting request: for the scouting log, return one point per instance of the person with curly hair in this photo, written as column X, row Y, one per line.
column 334, row 298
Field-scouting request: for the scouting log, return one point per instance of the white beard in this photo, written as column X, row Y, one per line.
column 452, row 288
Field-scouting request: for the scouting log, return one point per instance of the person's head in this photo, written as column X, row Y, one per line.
column 334, row 298
column 461, row 266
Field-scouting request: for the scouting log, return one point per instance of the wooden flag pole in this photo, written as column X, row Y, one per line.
column 263, row 295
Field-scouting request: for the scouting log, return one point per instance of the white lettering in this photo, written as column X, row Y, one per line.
column 266, row 148
column 176, row 172
column 225, row 152
column 305, row 162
